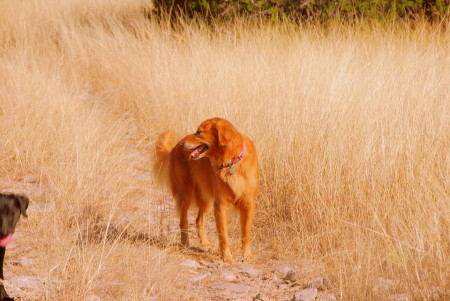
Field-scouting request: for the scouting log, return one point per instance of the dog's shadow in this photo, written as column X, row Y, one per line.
column 100, row 233
column 208, row 254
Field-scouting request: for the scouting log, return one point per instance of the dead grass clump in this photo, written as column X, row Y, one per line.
column 351, row 124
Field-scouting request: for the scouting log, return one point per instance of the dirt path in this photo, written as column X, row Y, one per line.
column 202, row 275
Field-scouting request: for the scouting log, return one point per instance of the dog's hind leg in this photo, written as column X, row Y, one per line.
column 203, row 209
column 183, row 207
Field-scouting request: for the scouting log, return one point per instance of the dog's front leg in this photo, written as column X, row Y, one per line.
column 221, row 209
column 246, row 212
column 3, row 295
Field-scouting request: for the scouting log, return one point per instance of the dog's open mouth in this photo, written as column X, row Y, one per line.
column 198, row 151
column 6, row 240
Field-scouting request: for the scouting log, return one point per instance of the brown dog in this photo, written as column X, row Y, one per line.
column 11, row 207
column 216, row 165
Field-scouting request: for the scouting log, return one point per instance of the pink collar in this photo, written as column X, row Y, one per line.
column 234, row 160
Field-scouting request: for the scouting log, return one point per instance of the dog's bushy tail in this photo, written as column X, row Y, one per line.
column 161, row 166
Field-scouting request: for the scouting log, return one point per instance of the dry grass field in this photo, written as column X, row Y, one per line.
column 352, row 125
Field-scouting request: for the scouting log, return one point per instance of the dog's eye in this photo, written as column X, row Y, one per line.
column 197, row 133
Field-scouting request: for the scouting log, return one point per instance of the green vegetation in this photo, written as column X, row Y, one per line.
column 301, row 10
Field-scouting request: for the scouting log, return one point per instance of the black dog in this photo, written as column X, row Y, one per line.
column 11, row 206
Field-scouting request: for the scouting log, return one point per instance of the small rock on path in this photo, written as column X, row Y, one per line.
column 305, row 295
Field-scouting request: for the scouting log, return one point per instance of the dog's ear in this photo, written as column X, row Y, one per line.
column 224, row 133
column 23, row 203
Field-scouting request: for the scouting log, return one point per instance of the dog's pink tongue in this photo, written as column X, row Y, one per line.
column 6, row 240
column 194, row 154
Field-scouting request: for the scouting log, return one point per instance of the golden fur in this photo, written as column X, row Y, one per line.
column 216, row 165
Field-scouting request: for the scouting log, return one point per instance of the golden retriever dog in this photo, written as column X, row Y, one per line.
column 217, row 166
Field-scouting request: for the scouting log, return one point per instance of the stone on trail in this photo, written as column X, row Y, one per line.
column 290, row 277
column 225, row 274
column 232, row 287
column 326, row 298
column 23, row 261
column 305, row 295
column 285, row 268
column 199, row 277
column 249, row 271
column 28, row 282
column 189, row 263
column 319, row 282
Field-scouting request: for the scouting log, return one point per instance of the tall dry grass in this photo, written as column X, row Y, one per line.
column 351, row 123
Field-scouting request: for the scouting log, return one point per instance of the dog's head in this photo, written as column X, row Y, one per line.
column 212, row 139
column 11, row 207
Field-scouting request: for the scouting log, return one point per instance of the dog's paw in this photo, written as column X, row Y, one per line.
column 207, row 244
column 227, row 257
column 248, row 255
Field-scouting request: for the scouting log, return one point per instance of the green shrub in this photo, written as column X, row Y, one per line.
column 300, row 10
